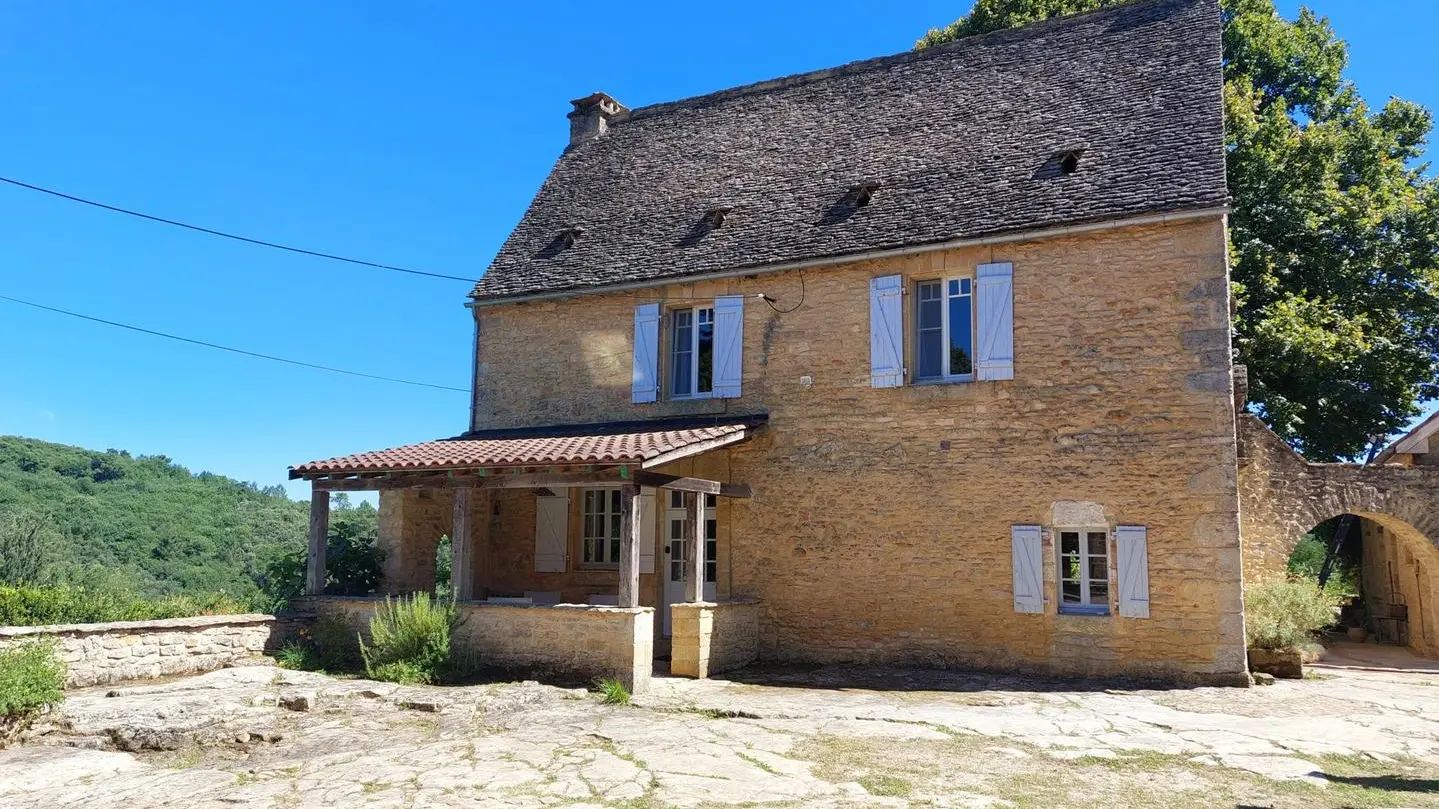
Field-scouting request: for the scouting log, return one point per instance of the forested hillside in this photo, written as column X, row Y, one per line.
column 147, row 524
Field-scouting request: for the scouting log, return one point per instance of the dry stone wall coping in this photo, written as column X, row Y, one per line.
column 160, row 625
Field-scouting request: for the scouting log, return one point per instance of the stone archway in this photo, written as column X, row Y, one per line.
column 1282, row 497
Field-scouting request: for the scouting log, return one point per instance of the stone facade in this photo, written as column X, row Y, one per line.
column 714, row 637
column 879, row 530
column 1283, row 498
column 566, row 640
column 99, row 654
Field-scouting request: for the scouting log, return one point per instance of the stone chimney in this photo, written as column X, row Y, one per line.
column 592, row 116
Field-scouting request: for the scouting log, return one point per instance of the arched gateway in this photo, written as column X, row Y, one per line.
column 1282, row 497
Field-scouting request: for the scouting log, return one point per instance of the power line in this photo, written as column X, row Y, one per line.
column 228, row 348
column 236, row 237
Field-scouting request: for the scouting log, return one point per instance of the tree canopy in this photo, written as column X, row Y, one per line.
column 109, row 521
column 1334, row 230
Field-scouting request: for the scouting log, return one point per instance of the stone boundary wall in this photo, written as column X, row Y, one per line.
column 568, row 640
column 713, row 637
column 99, row 654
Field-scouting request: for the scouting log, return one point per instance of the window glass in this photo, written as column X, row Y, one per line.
column 1084, row 571
column 682, row 353
column 706, row 348
column 601, row 526
column 929, row 322
column 961, row 329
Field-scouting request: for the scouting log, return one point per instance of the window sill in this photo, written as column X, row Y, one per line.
column 1078, row 609
column 697, row 397
column 952, row 380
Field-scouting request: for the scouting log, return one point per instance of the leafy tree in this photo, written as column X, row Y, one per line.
column 1334, row 235
column 27, row 544
column 352, row 558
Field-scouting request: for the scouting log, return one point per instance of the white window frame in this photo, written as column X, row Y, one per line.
column 610, row 510
column 944, row 297
column 1086, row 605
column 694, row 351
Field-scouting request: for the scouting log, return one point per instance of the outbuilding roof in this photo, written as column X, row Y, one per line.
column 1099, row 116
column 585, row 444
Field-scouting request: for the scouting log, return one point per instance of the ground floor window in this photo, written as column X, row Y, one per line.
column 1083, row 570
column 601, row 522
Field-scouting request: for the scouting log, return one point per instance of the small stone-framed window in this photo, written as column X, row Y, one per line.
column 1083, row 573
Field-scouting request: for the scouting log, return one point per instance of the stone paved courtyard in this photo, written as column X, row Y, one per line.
column 831, row 737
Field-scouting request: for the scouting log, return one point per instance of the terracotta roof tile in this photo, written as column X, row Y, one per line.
column 466, row 453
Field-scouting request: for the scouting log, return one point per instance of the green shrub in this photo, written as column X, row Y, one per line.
column 414, row 631
column 613, row 692
column 1286, row 613
column 327, row 645
column 69, row 604
column 402, row 672
column 31, row 679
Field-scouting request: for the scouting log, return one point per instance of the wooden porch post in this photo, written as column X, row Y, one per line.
column 694, row 548
column 629, row 595
column 461, row 577
column 319, row 533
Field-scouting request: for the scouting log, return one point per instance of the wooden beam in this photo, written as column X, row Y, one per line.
column 319, row 535
column 461, row 575
column 694, row 568
column 520, row 480
column 686, row 484
column 697, row 448
column 629, row 594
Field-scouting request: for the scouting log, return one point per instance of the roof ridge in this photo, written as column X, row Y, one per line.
column 887, row 60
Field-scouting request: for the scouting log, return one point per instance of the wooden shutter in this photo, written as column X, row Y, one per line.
column 994, row 288
column 1028, row 568
column 552, row 532
column 645, row 384
column 729, row 346
column 886, row 331
column 1132, row 548
column 646, row 516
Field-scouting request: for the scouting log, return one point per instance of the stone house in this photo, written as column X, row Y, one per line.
column 918, row 360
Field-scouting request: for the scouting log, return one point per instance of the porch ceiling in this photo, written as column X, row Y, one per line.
column 593, row 444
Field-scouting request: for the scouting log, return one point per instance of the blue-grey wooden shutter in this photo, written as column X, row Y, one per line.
column 1131, row 545
column 645, row 382
column 994, row 291
column 1027, row 547
column 728, row 346
column 886, row 331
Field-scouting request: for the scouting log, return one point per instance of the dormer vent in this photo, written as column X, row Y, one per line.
column 863, row 192
column 1069, row 160
column 571, row 234
column 714, row 217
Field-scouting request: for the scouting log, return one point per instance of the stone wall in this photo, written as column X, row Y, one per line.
column 566, row 640
column 1283, row 498
column 98, row 654
column 712, row 638
column 879, row 530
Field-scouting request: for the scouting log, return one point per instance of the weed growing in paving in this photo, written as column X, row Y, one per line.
column 613, row 692
column 31, row 680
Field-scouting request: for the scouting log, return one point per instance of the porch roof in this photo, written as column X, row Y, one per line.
column 646, row 444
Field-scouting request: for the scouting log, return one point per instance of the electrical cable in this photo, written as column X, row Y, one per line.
column 228, row 348
column 238, row 238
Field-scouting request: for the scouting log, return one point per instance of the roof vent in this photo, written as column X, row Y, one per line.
column 714, row 217
column 571, row 234
column 1069, row 160
column 863, row 192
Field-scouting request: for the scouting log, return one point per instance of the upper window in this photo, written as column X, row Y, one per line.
column 601, row 523
column 692, row 341
column 1084, row 571
column 944, row 326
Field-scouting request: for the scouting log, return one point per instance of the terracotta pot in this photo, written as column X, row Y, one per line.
column 1358, row 634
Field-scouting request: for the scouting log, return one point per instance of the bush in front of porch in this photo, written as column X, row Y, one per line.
column 410, row 639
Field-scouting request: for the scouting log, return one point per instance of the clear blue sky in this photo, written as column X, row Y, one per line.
column 410, row 134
